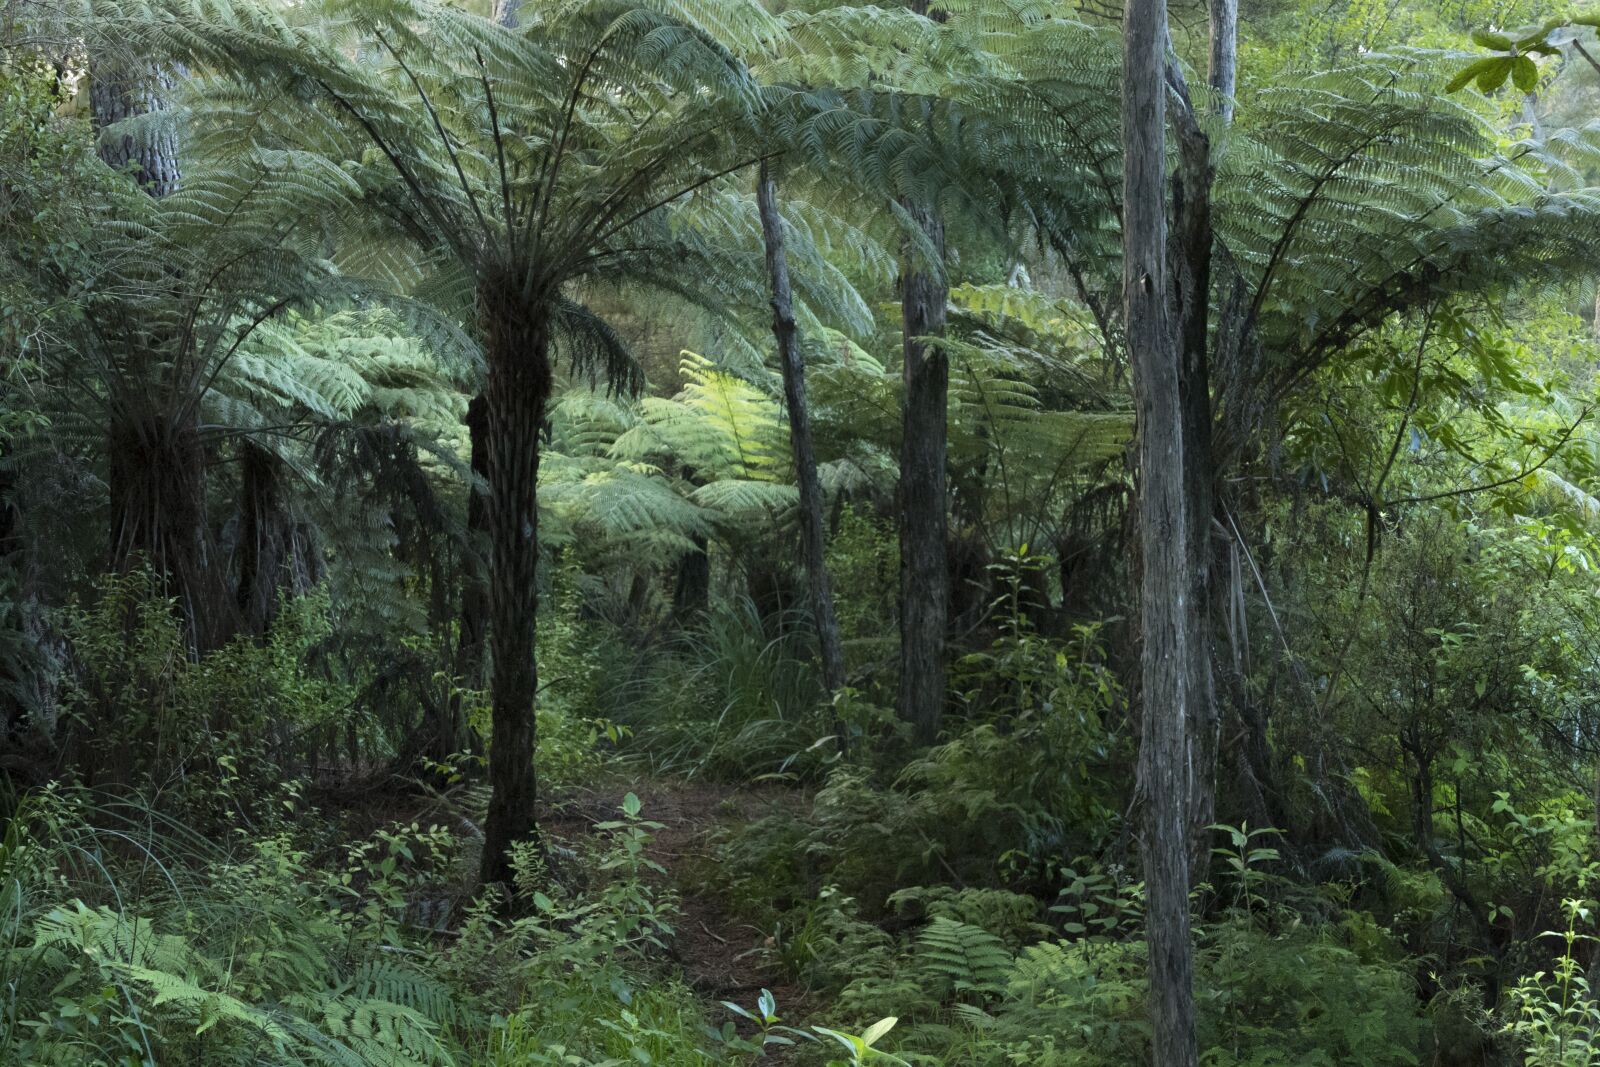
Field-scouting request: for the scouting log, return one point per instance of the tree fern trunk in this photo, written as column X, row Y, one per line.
column 516, row 343
column 274, row 556
column 1163, row 534
column 924, row 563
column 691, row 593
column 805, row 456
column 156, row 474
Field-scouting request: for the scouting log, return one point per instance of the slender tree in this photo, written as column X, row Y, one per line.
column 805, row 456
column 923, row 505
column 922, row 511
column 1163, row 533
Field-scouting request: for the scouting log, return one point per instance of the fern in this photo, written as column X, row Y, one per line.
column 961, row 959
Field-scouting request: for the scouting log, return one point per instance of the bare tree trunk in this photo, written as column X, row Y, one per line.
column 924, row 563
column 805, row 456
column 1163, row 535
column 517, row 346
column 1223, row 74
column 506, row 11
column 125, row 91
column 1192, row 244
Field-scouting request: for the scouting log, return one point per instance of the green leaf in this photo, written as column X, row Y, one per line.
column 1499, row 42
column 1494, row 76
column 877, row 1030
column 631, row 806
column 1524, row 73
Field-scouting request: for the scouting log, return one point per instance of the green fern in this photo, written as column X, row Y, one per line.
column 963, row 960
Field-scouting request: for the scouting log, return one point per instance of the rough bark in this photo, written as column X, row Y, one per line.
column 506, row 12
column 127, row 90
column 274, row 556
column 1163, row 528
column 923, row 523
column 517, row 347
column 1192, row 240
column 1224, row 58
column 805, row 457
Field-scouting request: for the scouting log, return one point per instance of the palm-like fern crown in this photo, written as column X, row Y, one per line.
column 524, row 159
column 166, row 293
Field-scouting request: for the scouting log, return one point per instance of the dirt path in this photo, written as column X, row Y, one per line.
column 721, row 957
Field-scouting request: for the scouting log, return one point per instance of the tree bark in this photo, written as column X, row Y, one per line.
column 924, row 550
column 506, row 12
column 1163, row 535
column 805, row 457
column 274, row 553
column 127, row 91
column 474, row 588
column 1192, row 241
column 517, row 347
column 1224, row 59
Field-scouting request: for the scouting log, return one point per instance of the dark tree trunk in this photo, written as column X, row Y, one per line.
column 157, row 477
column 924, row 566
column 1163, row 535
column 805, row 456
column 274, row 554
column 125, row 91
column 474, row 587
column 1191, row 262
column 517, row 346
column 692, row 592
column 1193, row 241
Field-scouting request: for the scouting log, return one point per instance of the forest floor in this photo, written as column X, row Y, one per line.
column 722, row 958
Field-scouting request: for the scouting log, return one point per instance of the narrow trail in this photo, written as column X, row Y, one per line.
column 721, row 957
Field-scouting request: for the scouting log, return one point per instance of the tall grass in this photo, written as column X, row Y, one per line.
column 729, row 701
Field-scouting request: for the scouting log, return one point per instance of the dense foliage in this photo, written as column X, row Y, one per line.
column 465, row 479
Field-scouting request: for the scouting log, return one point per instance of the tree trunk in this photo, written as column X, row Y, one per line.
column 474, row 589
column 1193, row 240
column 691, row 593
column 274, row 557
column 506, row 11
column 1191, row 262
column 924, row 566
column 1163, row 535
column 805, row 456
column 517, row 347
column 156, row 473
column 125, row 91
column 1223, row 73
